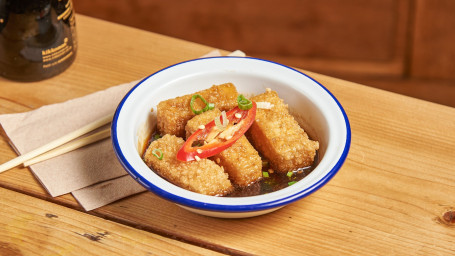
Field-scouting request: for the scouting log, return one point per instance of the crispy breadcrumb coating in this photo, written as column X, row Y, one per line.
column 204, row 176
column 278, row 137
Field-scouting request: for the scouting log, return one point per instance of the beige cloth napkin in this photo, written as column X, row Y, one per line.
column 92, row 173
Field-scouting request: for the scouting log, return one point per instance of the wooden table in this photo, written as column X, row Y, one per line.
column 395, row 194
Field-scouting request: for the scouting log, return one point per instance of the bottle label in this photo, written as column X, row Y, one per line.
column 68, row 11
column 56, row 55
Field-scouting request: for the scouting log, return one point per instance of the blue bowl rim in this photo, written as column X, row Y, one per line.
column 219, row 207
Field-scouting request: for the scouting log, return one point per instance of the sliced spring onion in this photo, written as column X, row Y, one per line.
column 208, row 106
column 219, row 125
column 160, row 156
column 244, row 103
column 157, row 136
column 265, row 174
column 289, row 174
column 291, row 182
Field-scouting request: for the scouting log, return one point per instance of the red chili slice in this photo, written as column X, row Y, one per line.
column 189, row 151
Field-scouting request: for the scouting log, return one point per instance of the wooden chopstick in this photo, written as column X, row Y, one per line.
column 70, row 146
column 56, row 143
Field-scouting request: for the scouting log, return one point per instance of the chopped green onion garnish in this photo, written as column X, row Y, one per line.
column 289, row 174
column 244, row 103
column 157, row 136
column 160, row 156
column 208, row 106
column 291, row 182
column 265, row 174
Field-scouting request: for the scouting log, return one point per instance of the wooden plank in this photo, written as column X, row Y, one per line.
column 438, row 91
column 378, row 42
column 433, row 54
column 30, row 226
column 347, row 36
column 390, row 197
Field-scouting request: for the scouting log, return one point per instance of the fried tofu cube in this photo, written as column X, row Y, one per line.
column 204, row 176
column 278, row 137
column 173, row 114
column 241, row 161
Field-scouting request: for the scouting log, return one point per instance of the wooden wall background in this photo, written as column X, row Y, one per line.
column 405, row 46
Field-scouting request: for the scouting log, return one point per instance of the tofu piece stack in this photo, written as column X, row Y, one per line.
column 173, row 114
column 204, row 176
column 241, row 161
column 278, row 137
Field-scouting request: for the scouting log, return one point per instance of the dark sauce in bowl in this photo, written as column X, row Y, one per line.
column 274, row 182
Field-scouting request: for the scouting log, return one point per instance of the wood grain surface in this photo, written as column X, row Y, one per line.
column 404, row 46
column 393, row 196
column 32, row 226
column 348, row 36
column 433, row 53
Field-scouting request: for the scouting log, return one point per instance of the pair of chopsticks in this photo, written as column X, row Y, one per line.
column 68, row 142
column 62, row 145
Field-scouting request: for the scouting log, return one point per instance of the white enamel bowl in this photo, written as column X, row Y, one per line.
column 316, row 109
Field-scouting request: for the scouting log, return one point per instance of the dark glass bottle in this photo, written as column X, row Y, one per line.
column 37, row 38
